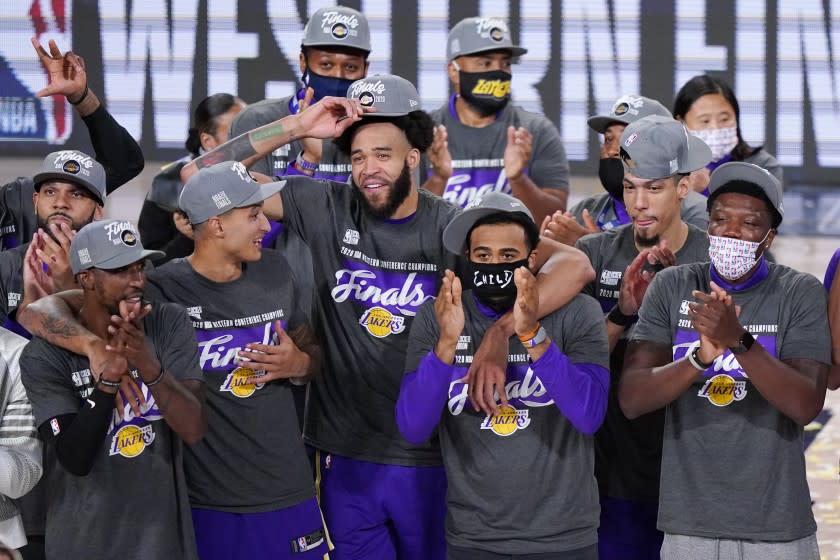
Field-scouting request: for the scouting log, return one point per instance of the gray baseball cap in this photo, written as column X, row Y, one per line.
column 455, row 233
column 220, row 188
column 628, row 109
column 475, row 35
column 337, row 26
column 73, row 166
column 107, row 244
column 390, row 95
column 749, row 173
column 660, row 147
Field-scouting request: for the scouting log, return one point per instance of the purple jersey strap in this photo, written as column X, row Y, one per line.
column 578, row 390
column 422, row 397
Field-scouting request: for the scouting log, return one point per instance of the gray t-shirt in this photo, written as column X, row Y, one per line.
column 371, row 277
column 732, row 464
column 628, row 452
column 252, row 458
column 527, row 486
column 602, row 209
column 478, row 154
column 334, row 165
column 11, row 282
column 135, row 498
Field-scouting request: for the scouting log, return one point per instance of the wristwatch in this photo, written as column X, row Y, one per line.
column 744, row 343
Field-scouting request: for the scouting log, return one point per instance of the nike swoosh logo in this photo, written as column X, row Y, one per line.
column 91, row 403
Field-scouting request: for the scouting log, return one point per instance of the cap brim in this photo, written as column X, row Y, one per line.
column 455, row 232
column 266, row 190
column 699, row 155
column 749, row 173
column 600, row 123
column 39, row 178
column 126, row 259
column 514, row 51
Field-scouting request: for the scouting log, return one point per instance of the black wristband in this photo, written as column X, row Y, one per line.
column 82, row 98
column 619, row 318
column 157, row 379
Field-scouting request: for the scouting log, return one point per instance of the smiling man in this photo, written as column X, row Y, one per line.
column 738, row 351
column 109, row 460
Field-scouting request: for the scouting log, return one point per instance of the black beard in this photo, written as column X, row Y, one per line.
column 44, row 224
column 398, row 194
column 646, row 241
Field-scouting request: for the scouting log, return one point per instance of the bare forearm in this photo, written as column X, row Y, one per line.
column 798, row 396
column 248, row 147
column 88, row 105
column 614, row 333
column 52, row 318
column 643, row 390
column 541, row 202
column 562, row 277
column 181, row 408
column 435, row 184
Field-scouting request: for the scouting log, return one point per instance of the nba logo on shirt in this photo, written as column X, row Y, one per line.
column 684, row 307
column 302, row 543
column 351, row 237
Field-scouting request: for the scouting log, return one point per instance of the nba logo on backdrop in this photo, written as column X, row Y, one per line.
column 22, row 115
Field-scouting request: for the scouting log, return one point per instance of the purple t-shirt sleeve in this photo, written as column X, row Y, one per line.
column 831, row 270
column 578, row 390
column 422, row 397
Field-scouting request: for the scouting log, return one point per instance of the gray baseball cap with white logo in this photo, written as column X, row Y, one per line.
column 476, row 35
column 107, row 244
column 659, row 147
column 337, row 26
column 222, row 187
column 390, row 95
column 749, row 173
column 455, row 233
column 73, row 166
column 628, row 109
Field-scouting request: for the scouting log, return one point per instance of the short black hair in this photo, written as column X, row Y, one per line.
column 749, row 189
column 418, row 126
column 532, row 232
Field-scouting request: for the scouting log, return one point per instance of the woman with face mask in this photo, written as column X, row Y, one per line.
column 709, row 110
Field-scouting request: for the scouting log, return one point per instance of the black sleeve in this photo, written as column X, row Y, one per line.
column 78, row 437
column 158, row 231
column 115, row 149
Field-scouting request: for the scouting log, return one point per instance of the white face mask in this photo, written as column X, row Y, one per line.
column 720, row 140
column 733, row 258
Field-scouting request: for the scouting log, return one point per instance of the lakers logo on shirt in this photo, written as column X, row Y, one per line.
column 494, row 88
column 722, row 390
column 506, row 421
column 380, row 322
column 237, row 382
column 131, row 440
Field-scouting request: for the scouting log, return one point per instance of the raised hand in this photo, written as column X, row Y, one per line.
column 438, row 154
column 312, row 147
column 526, row 307
column 54, row 251
column 283, row 360
column 67, row 72
column 330, row 117
column 564, row 228
column 715, row 318
column 37, row 282
column 450, row 316
column 517, row 152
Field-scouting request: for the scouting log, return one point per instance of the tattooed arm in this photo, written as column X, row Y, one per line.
column 328, row 118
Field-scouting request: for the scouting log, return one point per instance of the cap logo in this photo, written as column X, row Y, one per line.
column 242, row 171
column 71, row 166
column 413, row 103
column 630, row 140
column 84, row 256
column 673, row 166
column 339, row 25
column 620, row 109
column 474, row 203
column 116, row 232
column 357, row 88
column 366, row 99
column 492, row 28
column 339, row 31
column 128, row 238
column 221, row 199
column 71, row 155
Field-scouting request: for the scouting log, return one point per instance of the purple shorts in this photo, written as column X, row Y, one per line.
column 382, row 512
column 293, row 533
column 628, row 530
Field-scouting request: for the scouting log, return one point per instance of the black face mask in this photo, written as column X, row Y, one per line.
column 486, row 92
column 611, row 174
column 493, row 283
